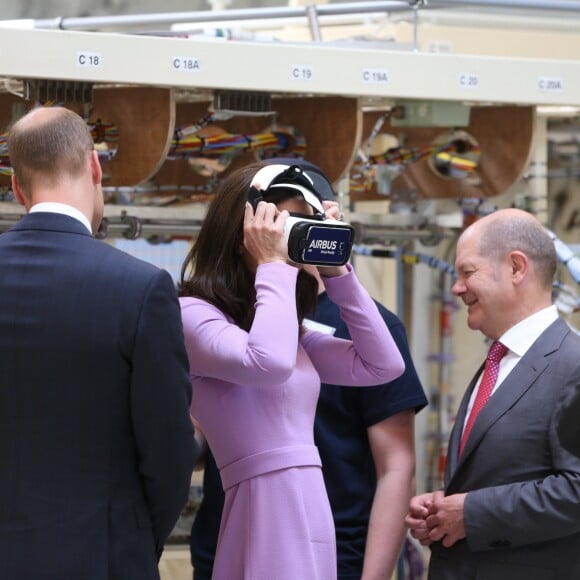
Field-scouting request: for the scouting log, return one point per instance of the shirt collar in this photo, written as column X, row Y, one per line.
column 62, row 208
column 519, row 338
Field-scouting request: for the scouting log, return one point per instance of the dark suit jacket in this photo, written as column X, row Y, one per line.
column 569, row 423
column 96, row 442
column 522, row 513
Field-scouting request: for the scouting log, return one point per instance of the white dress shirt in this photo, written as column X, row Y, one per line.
column 518, row 340
column 62, row 208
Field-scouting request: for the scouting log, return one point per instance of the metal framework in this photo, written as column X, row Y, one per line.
column 308, row 11
column 356, row 69
column 305, row 68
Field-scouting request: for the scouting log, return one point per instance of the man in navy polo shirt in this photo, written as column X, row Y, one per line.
column 366, row 440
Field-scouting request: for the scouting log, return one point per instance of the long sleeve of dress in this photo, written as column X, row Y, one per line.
column 218, row 348
column 372, row 357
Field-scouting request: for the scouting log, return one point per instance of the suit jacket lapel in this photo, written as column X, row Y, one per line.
column 522, row 377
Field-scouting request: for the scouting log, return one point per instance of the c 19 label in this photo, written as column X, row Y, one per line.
column 301, row 72
column 89, row 59
column 185, row 64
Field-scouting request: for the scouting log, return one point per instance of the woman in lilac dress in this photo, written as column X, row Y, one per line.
column 256, row 374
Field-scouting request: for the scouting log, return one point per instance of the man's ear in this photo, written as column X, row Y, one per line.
column 96, row 169
column 20, row 197
column 519, row 265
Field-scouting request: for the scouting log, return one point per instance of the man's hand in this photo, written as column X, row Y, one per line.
column 435, row 517
column 445, row 519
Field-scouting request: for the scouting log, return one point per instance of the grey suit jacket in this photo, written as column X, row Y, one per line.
column 522, row 512
column 569, row 423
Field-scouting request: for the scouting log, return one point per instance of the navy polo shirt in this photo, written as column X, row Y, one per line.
column 343, row 416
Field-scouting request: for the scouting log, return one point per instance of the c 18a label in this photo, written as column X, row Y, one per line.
column 188, row 64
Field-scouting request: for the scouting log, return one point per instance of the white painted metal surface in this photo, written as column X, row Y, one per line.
column 309, row 68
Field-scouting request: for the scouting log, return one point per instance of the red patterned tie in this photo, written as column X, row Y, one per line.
column 496, row 352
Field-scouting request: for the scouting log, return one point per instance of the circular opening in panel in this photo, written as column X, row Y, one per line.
column 456, row 155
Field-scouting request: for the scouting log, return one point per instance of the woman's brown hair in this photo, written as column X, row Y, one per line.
column 214, row 269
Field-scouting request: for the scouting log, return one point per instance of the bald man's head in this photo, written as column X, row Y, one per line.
column 48, row 143
column 509, row 230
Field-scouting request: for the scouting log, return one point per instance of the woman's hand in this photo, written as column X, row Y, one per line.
column 201, row 441
column 264, row 238
column 332, row 271
column 332, row 210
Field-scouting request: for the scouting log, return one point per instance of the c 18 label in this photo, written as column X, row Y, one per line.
column 89, row 59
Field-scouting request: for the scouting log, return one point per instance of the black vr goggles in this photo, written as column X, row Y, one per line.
column 314, row 239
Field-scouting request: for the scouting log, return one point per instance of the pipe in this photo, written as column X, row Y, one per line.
column 147, row 229
column 548, row 5
column 133, row 227
column 313, row 23
column 428, row 234
column 168, row 18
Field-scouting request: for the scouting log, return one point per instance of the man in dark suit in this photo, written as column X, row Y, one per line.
column 96, row 440
column 511, row 505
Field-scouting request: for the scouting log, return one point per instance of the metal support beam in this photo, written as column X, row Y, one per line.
column 168, row 18
column 146, row 60
column 126, row 21
column 548, row 5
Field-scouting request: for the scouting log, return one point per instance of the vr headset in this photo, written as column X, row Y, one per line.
column 312, row 239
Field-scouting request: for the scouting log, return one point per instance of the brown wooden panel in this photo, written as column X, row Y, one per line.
column 505, row 136
column 7, row 103
column 331, row 126
column 145, row 119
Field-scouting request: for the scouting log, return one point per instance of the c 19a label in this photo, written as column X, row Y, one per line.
column 375, row 76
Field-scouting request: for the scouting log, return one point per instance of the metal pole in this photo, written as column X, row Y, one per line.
column 168, row 18
column 313, row 23
column 548, row 5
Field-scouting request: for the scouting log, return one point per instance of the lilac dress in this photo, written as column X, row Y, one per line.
column 255, row 395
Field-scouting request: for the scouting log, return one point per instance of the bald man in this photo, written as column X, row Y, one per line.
column 96, row 441
column 510, row 509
